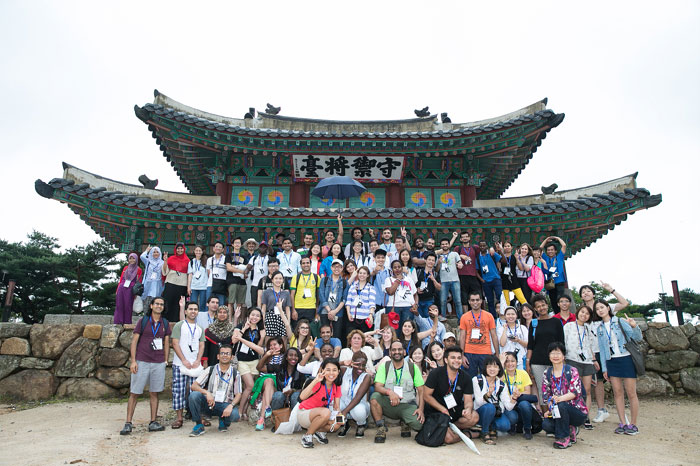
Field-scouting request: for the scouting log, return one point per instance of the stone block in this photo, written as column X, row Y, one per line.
column 16, row 346
column 92, row 331
column 78, row 360
column 666, row 338
column 659, row 324
column 652, row 384
column 116, row 377
column 8, row 364
column 36, row 363
column 695, row 342
column 55, row 319
column 14, row 329
column 82, row 389
column 91, row 319
column 110, row 335
column 112, row 357
column 688, row 329
column 50, row 341
column 690, row 378
column 672, row 361
column 125, row 338
column 28, row 385
column 129, row 326
column 675, row 377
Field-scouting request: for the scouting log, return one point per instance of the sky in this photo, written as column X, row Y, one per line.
column 625, row 73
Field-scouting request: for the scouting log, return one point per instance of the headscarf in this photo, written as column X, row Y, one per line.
column 178, row 263
column 152, row 263
column 222, row 330
column 132, row 270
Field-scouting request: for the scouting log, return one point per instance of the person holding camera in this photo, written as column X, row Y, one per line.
column 319, row 410
column 491, row 400
column 354, row 389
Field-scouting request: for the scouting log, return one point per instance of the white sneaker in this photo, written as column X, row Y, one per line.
column 602, row 415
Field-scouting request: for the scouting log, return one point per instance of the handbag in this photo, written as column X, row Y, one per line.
column 633, row 348
column 536, row 279
column 434, row 430
column 549, row 285
column 137, row 289
column 280, row 415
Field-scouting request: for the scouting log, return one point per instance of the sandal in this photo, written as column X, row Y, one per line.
column 206, row 423
column 176, row 424
column 488, row 440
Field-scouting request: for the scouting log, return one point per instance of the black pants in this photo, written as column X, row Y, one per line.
column 338, row 326
column 527, row 292
column 467, row 284
column 554, row 296
column 310, row 315
column 172, row 294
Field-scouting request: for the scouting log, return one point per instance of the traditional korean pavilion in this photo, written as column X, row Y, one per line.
column 252, row 177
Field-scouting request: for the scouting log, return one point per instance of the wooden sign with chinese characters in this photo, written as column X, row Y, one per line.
column 367, row 168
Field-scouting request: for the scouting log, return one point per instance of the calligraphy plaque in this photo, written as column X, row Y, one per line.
column 367, row 168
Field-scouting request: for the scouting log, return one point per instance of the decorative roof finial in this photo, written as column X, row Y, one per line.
column 424, row 112
column 272, row 110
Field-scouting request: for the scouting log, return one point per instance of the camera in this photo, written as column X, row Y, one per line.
column 340, row 419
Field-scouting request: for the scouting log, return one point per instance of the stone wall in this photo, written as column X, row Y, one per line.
column 84, row 360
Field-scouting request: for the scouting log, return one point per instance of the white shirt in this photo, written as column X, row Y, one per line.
column 260, row 269
column 217, row 267
column 290, row 264
column 403, row 297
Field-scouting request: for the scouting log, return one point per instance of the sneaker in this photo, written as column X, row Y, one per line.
column 307, row 441
column 527, row 434
column 631, row 429
column 573, row 433
column 360, row 432
column 405, row 431
column 197, row 430
column 268, row 412
column 321, row 437
column 344, row 430
column 550, row 435
column 380, row 436
column 222, row 426
column 562, row 444
column 620, row 429
column 128, row 427
column 260, row 425
column 587, row 424
column 602, row 415
column 155, row 426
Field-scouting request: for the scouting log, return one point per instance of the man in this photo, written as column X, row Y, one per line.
column 188, row 344
column 327, row 338
column 489, row 262
column 330, row 238
column 306, row 247
column 398, row 394
column 477, row 331
column 449, row 339
column 565, row 314
column 235, row 277
column 556, row 269
column 430, row 244
column 400, row 244
column 332, row 294
column 373, row 246
column 469, row 273
column 265, row 283
column 386, row 243
column 258, row 265
column 379, row 275
column 221, row 395
column 449, row 263
column 248, row 248
column 279, row 239
column 289, row 260
column 356, row 234
column 216, row 268
column 429, row 323
column 418, row 253
column 449, row 390
column 303, row 290
column 206, row 317
column 428, row 284
column 150, row 345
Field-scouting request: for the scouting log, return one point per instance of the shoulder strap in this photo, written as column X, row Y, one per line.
column 412, row 369
column 211, row 368
column 386, row 369
column 480, row 380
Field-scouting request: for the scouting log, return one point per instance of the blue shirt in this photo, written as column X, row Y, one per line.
column 334, row 341
column 289, row 264
column 424, row 324
column 487, row 263
column 380, row 294
column 558, row 263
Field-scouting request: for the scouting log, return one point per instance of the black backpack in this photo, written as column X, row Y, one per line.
column 434, row 430
column 148, row 317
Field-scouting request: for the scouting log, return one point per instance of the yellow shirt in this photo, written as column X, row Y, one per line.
column 305, row 282
column 522, row 380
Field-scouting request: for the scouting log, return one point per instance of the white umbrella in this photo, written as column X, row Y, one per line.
column 467, row 441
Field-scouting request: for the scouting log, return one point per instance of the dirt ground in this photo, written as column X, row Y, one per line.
column 88, row 433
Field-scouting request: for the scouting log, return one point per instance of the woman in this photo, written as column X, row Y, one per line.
column 410, row 336
column 197, row 278
column 264, row 386
column 408, row 270
column 616, row 362
column 491, row 400
column 356, row 342
column 561, row 388
column 349, row 271
column 153, row 273
column 175, row 271
column 316, row 259
column 283, row 382
column 332, row 295
column 387, row 336
column 524, row 263
column 587, row 294
column 509, row 280
column 301, row 337
column 312, row 368
column 518, row 384
column 215, row 335
column 357, row 255
column 418, row 357
column 435, row 352
column 512, row 336
column 250, row 337
column 402, row 293
column 276, row 307
column 527, row 313
column 320, row 404
column 336, row 252
column 578, row 339
column 543, row 331
column 360, row 302
column 125, row 299
column 329, row 236
column 354, row 389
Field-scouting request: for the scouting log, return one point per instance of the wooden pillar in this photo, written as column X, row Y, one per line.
column 223, row 190
column 299, row 195
column 395, row 196
column 468, row 195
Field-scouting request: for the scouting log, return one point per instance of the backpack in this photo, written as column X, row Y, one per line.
column 297, row 280
column 434, row 429
column 536, row 279
column 143, row 322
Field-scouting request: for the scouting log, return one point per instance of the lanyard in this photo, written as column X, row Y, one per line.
column 329, row 397
column 427, row 275
column 253, row 334
column 609, row 333
column 262, row 264
column 288, row 259
column 359, row 262
column 215, row 263
column 209, row 318
column 352, row 386
column 514, row 383
column 277, row 295
column 581, row 340
column 221, row 376
column 306, row 283
column 287, row 379
column 453, row 386
column 514, row 332
column 465, row 251
column 558, row 386
column 197, row 264
column 477, row 323
column 156, row 328
column 192, row 331
column 396, row 373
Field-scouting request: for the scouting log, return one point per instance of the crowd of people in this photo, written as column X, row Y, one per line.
column 324, row 336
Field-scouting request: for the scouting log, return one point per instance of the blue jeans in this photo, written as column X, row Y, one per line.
column 489, row 421
column 278, row 399
column 220, row 297
column 492, row 291
column 199, row 297
column 404, row 315
column 570, row 416
column 423, row 307
column 452, row 287
column 198, row 405
column 521, row 412
column 476, row 364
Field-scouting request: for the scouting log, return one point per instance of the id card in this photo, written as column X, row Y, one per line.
column 552, row 269
column 244, row 348
column 555, row 412
column 476, row 334
column 127, row 283
column 197, row 275
column 468, row 260
column 289, row 270
column 447, row 270
column 220, row 396
column 331, row 297
column 157, row 344
column 423, row 286
column 153, row 276
column 399, row 391
column 485, row 269
column 307, row 293
column 450, row 401
column 506, row 271
column 276, row 310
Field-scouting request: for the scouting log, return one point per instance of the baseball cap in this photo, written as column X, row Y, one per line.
column 394, row 319
column 337, row 261
column 449, row 335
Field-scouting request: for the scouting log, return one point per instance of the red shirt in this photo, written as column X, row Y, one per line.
column 468, row 268
column 319, row 399
column 572, row 318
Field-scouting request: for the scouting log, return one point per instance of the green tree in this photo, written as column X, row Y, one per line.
column 690, row 304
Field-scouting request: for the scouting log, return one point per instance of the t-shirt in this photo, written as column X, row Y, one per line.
column 304, row 299
column 270, row 299
column 488, row 268
column 448, row 269
column 245, row 352
column 333, row 341
column 200, row 277
column 265, row 283
column 468, row 266
column 540, row 335
column 259, row 270
column 321, row 397
column 144, row 350
column 189, row 340
column 555, row 267
column 217, row 268
column 403, row 297
column 381, row 374
column 521, row 380
column 426, row 287
column 204, row 320
column 439, row 381
column 237, row 260
column 469, row 323
column 289, row 263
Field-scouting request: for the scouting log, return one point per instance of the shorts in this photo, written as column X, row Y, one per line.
column 583, row 369
column 236, row 293
column 304, row 418
column 151, row 373
column 248, row 367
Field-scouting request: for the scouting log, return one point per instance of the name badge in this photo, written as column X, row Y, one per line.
column 506, row 271
column 262, row 271
column 468, row 260
column 197, row 275
column 399, row 391
column 552, row 269
column 153, row 276
column 276, row 310
column 307, row 293
column 127, row 283
column 220, row 396
column 450, row 401
column 555, row 412
column 485, row 269
column 423, row 286
column 331, row 297
column 157, row 344
column 244, row 348
column 476, row 334
column 289, row 270
column 447, row 270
